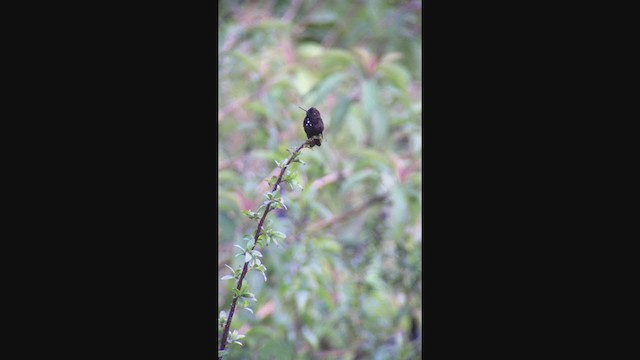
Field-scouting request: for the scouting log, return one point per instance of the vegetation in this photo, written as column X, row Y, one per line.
column 343, row 277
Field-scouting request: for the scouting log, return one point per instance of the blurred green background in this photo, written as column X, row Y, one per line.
column 346, row 282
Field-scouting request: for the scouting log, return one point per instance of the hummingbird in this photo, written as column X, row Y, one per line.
column 313, row 125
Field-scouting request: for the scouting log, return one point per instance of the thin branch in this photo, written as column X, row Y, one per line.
column 245, row 268
column 346, row 215
column 322, row 224
column 327, row 179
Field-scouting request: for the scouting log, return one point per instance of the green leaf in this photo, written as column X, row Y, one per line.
column 303, row 80
column 417, row 143
column 326, row 297
column 227, row 176
column 227, row 277
column 322, row 17
column 248, row 295
column 399, row 208
column 369, row 97
column 317, row 95
column 301, row 299
column 290, row 183
column 257, row 108
column 262, row 269
column 247, row 257
column 244, row 288
column 399, row 78
column 339, row 114
column 227, row 201
column 329, row 246
column 264, row 204
column 373, row 114
column 310, row 336
column 335, row 60
column 323, row 211
column 390, row 58
column 397, row 75
column 248, row 239
column 243, row 303
column 250, row 214
column 234, row 336
column 270, row 25
column 356, row 178
column 310, row 49
column 355, row 127
column 262, row 240
column 250, row 61
column 380, row 126
column 369, row 157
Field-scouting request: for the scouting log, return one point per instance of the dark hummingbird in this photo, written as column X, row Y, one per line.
column 313, row 125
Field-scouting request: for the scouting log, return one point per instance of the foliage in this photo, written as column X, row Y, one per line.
column 345, row 282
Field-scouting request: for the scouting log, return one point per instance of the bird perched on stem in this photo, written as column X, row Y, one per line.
column 313, row 125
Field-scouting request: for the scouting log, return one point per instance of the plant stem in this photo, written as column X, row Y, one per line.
column 245, row 268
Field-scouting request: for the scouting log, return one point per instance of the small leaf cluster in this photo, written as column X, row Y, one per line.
column 222, row 319
column 273, row 198
column 234, row 336
column 268, row 235
column 244, row 296
column 251, row 214
column 236, row 273
column 289, row 178
column 281, row 164
column 295, row 156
